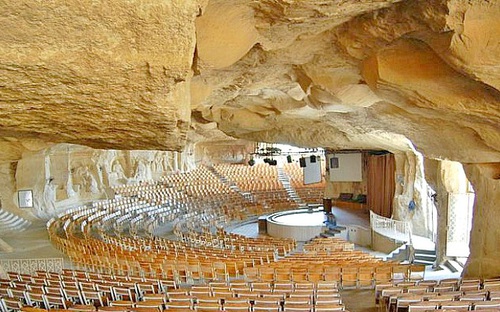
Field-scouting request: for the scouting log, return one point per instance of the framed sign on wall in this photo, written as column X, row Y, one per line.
column 25, row 198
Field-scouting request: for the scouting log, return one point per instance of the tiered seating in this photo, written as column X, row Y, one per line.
column 334, row 262
column 83, row 291
column 261, row 181
column 10, row 222
column 311, row 193
column 115, row 240
column 448, row 294
column 106, row 236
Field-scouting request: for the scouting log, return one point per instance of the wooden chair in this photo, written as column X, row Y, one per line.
column 382, row 274
column 122, row 303
column 55, row 302
column 82, row 308
column 208, row 306
column 328, row 307
column 366, row 278
column 297, row 307
column 93, row 297
column 402, row 303
column 456, row 305
column 416, row 272
column 35, row 299
column 266, row 306
column 11, row 304
column 422, row 306
column 486, row 305
column 179, row 305
column 400, row 273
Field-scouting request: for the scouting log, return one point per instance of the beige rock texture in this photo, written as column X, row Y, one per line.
column 485, row 235
column 66, row 175
column 405, row 76
column 107, row 74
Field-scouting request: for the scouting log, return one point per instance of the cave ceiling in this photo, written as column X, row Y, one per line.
column 155, row 74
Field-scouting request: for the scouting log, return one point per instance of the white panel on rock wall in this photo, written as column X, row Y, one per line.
column 25, row 198
column 348, row 168
column 312, row 170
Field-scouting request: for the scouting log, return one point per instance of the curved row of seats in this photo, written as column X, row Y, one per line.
column 310, row 193
column 456, row 294
column 117, row 238
column 84, row 291
column 91, row 244
column 89, row 252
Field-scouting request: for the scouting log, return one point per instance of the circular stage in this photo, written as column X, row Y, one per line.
column 299, row 224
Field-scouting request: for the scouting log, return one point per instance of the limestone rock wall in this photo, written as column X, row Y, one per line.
column 107, row 74
column 218, row 152
column 485, row 235
column 411, row 186
column 66, row 175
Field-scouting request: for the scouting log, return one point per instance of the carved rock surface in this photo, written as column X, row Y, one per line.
column 338, row 74
column 108, row 74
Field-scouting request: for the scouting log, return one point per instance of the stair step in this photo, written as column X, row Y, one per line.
column 425, row 251
column 453, row 266
column 425, row 257
column 424, row 262
column 327, row 234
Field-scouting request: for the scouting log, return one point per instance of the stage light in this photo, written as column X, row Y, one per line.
column 302, row 162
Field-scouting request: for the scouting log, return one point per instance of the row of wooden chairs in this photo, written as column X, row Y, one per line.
column 123, row 291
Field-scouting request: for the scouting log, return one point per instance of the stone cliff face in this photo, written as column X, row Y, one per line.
column 107, row 74
column 338, row 74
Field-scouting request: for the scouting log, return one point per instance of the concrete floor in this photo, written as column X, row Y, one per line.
column 31, row 243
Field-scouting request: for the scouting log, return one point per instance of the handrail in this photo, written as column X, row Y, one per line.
column 400, row 230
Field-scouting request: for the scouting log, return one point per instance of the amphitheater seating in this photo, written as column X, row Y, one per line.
column 104, row 237
column 310, row 193
column 432, row 295
column 122, row 265
column 125, row 295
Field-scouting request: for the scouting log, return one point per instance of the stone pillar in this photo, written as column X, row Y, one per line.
column 484, row 256
column 442, row 216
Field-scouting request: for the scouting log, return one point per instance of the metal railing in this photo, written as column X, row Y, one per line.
column 30, row 266
column 399, row 230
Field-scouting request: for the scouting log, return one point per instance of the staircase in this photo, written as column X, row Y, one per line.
column 453, row 265
column 12, row 223
column 423, row 256
column 285, row 181
column 247, row 195
column 332, row 231
column 399, row 255
column 425, row 250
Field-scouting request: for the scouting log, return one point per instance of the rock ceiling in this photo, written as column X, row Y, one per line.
column 149, row 74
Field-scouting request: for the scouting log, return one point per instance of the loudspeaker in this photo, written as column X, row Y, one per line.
column 334, row 162
column 289, row 159
column 313, row 159
column 302, row 162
